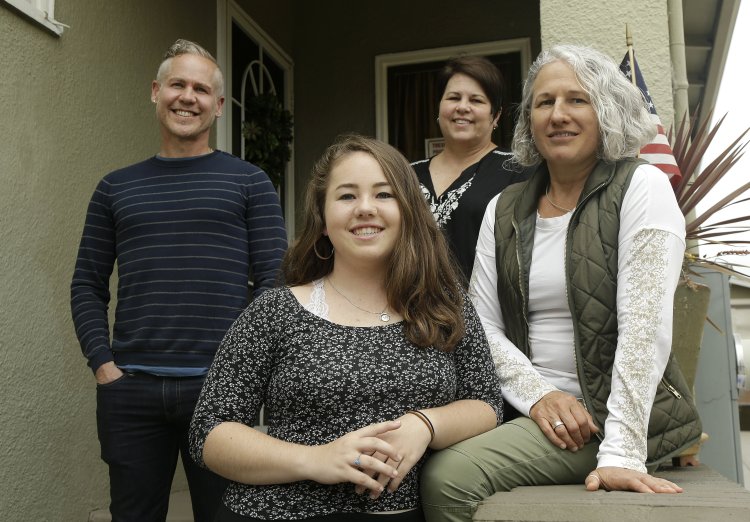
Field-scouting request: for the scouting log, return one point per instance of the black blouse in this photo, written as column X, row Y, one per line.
column 459, row 210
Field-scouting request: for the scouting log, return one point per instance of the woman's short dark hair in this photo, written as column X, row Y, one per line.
column 482, row 71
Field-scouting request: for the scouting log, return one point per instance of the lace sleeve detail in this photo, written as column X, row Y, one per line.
column 645, row 296
column 521, row 384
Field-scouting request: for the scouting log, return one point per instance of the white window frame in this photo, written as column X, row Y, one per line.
column 384, row 61
column 228, row 11
column 39, row 11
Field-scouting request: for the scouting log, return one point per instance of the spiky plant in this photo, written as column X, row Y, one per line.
column 689, row 149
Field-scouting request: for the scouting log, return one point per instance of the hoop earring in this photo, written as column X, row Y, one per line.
column 315, row 249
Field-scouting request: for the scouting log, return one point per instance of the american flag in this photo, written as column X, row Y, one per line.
column 658, row 152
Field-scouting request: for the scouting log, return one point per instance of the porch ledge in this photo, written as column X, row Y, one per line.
column 707, row 496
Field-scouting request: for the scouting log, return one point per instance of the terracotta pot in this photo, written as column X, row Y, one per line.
column 690, row 312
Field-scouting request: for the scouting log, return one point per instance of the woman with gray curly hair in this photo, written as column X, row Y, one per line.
column 574, row 280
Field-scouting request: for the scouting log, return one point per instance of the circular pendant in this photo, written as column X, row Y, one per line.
column 385, row 317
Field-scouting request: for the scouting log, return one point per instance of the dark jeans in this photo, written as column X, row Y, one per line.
column 143, row 423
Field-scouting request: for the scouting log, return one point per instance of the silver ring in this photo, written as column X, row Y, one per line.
column 357, row 462
column 594, row 475
column 557, row 424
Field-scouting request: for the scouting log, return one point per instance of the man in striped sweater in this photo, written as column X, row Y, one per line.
column 188, row 227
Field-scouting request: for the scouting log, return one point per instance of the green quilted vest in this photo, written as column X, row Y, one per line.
column 591, row 273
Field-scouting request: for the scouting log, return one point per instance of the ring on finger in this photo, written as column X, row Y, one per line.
column 557, row 424
column 357, row 462
column 601, row 484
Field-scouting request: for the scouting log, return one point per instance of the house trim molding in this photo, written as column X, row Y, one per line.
column 384, row 61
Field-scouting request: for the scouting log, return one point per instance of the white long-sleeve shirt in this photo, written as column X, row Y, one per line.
column 651, row 243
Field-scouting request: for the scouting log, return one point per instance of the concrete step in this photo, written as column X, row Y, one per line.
column 707, row 496
column 180, row 509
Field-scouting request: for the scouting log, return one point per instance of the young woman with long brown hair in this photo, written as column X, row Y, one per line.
column 366, row 360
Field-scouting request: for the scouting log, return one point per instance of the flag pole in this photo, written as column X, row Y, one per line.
column 629, row 43
column 658, row 150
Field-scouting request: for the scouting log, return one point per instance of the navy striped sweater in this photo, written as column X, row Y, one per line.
column 187, row 235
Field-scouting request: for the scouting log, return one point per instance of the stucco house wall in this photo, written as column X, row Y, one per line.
column 602, row 25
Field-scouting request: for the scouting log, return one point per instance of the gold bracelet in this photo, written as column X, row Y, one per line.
column 424, row 418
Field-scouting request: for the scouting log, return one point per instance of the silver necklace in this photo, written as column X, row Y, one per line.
column 383, row 315
column 558, row 207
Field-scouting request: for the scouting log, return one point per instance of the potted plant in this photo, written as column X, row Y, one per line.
column 268, row 135
column 704, row 227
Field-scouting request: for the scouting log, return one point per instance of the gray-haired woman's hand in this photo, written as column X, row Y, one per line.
column 622, row 479
column 563, row 420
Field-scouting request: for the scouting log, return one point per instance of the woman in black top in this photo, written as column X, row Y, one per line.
column 459, row 182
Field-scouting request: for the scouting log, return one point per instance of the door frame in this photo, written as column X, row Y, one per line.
column 228, row 11
column 384, row 61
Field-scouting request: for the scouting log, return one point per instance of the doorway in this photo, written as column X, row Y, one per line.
column 254, row 65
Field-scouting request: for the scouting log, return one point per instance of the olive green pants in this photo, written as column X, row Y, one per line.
column 517, row 453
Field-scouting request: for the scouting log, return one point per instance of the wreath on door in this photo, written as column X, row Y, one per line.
column 268, row 135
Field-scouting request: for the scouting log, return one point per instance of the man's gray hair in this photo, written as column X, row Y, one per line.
column 181, row 47
column 624, row 121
